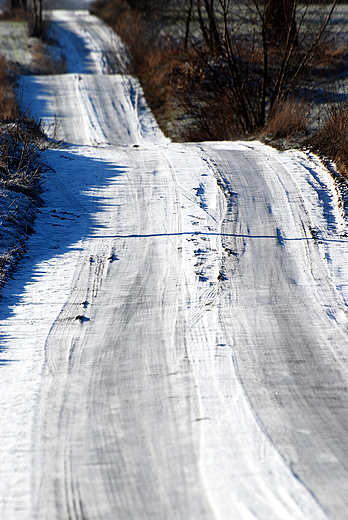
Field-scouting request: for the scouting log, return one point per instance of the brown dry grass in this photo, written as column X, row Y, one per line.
column 21, row 143
column 43, row 62
column 331, row 141
column 15, row 15
column 8, row 102
column 21, row 140
column 290, row 119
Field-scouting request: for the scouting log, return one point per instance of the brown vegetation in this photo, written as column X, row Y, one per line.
column 21, row 143
column 211, row 69
column 8, row 102
column 15, row 15
column 44, row 62
column 289, row 120
column 331, row 140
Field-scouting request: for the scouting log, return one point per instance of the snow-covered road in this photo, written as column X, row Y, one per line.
column 175, row 345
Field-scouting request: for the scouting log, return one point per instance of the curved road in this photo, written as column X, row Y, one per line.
column 189, row 323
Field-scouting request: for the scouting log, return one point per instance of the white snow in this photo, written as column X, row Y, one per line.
column 123, row 381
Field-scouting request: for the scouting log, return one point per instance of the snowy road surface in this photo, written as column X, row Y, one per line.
column 175, row 344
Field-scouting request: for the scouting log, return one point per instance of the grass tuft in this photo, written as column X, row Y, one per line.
column 331, row 140
column 289, row 120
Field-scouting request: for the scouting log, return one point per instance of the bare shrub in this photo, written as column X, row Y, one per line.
column 21, row 143
column 250, row 58
column 8, row 260
column 331, row 140
column 201, row 87
column 289, row 119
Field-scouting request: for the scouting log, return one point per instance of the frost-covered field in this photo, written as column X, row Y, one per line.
column 15, row 44
column 175, row 344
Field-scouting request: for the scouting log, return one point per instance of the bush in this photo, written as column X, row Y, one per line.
column 290, row 119
column 331, row 140
column 21, row 143
column 206, row 80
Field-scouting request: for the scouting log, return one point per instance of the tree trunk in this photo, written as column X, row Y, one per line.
column 280, row 22
column 40, row 15
column 15, row 4
column 37, row 8
column 213, row 30
column 187, row 25
column 18, row 4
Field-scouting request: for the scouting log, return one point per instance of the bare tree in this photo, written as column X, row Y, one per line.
column 258, row 50
column 37, row 6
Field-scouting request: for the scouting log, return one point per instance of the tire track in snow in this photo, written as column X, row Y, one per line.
column 141, row 411
column 125, row 411
column 287, row 324
column 244, row 474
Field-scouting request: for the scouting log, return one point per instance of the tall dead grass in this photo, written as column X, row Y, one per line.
column 331, row 140
column 45, row 62
column 22, row 141
column 8, row 102
column 15, row 15
column 289, row 120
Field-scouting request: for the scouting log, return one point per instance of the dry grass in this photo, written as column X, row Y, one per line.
column 290, row 119
column 8, row 102
column 331, row 54
column 331, row 140
column 44, row 62
column 15, row 15
column 21, row 143
column 8, row 260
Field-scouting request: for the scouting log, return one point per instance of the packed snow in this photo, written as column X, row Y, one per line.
column 174, row 345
